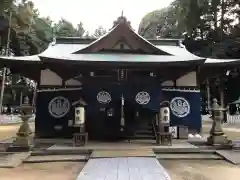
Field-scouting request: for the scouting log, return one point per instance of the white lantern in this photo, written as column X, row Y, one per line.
column 79, row 115
column 165, row 115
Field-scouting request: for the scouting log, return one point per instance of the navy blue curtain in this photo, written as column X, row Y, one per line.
column 90, row 93
column 180, row 114
column 45, row 122
column 99, row 124
column 130, row 92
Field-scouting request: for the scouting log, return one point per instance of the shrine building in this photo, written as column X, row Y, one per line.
column 121, row 79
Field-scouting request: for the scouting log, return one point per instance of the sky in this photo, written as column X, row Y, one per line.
column 95, row 13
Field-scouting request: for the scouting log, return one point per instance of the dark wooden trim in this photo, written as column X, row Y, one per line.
column 79, row 40
column 175, row 83
column 182, row 87
column 40, row 87
column 118, row 64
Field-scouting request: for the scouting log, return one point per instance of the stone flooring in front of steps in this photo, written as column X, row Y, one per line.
column 124, row 168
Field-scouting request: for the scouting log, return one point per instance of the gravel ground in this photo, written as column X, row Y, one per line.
column 201, row 170
column 46, row 171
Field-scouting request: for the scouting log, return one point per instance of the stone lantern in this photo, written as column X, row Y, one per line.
column 23, row 140
column 217, row 136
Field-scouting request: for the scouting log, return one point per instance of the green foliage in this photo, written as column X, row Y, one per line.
column 100, row 31
column 65, row 28
column 206, row 23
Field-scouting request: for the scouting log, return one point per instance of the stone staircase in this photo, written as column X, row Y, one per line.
column 143, row 130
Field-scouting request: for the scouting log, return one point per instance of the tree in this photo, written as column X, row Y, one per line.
column 30, row 34
column 100, row 31
column 65, row 28
column 206, row 23
column 5, row 4
column 80, row 30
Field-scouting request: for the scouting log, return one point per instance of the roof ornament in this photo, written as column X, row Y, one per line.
column 121, row 19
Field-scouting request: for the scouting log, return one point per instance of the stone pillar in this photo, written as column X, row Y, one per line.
column 24, row 140
column 217, row 136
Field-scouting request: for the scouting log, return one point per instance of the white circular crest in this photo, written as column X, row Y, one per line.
column 58, row 107
column 142, row 98
column 104, row 97
column 180, row 107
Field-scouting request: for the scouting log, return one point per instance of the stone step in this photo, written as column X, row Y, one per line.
column 60, row 152
column 144, row 128
column 3, row 147
column 188, row 156
column 147, row 132
column 193, row 151
column 175, row 150
column 139, row 136
column 122, row 153
column 56, row 158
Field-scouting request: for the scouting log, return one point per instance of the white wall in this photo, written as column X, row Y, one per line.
column 73, row 82
column 189, row 79
column 167, row 83
column 49, row 77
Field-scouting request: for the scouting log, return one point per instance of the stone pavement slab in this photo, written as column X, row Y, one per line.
column 232, row 156
column 129, row 168
column 12, row 160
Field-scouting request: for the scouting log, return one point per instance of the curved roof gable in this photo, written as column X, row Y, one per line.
column 122, row 34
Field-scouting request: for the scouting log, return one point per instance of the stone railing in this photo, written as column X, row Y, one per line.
column 233, row 119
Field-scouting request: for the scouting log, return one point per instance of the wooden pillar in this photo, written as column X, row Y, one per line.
column 222, row 87
column 222, row 97
column 208, row 95
column 122, row 121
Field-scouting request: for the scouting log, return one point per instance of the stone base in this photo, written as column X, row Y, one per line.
column 21, row 144
column 218, row 140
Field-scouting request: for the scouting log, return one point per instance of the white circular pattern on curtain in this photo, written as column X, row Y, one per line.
column 142, row 98
column 104, row 97
column 58, row 107
column 180, row 107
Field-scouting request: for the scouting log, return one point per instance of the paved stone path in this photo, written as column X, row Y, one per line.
column 231, row 155
column 129, row 168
